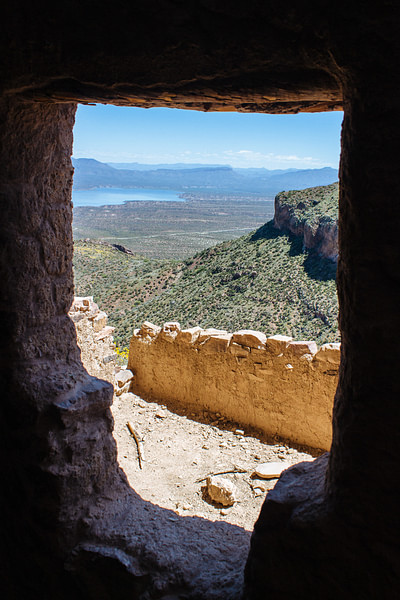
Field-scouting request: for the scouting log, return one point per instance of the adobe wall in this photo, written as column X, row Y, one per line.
column 283, row 387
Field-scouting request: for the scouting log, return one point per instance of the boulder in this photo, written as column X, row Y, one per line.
column 238, row 350
column 122, row 377
column 100, row 321
column 105, row 332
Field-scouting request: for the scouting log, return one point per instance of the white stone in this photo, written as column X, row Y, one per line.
column 250, row 338
column 329, row 353
column 206, row 333
column 299, row 348
column 278, row 343
column 100, row 321
column 217, row 343
column 149, row 329
column 105, row 332
column 271, row 470
column 221, row 490
column 123, row 390
column 123, row 376
column 189, row 336
column 170, row 330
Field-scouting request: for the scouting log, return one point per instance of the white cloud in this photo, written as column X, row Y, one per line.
column 250, row 158
column 236, row 158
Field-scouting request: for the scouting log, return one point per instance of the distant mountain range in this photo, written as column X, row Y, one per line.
column 90, row 174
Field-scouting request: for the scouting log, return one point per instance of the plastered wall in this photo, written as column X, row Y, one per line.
column 283, row 387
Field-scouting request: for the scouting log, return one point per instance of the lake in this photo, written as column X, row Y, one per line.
column 112, row 196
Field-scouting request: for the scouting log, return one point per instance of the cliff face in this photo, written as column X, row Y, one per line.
column 313, row 215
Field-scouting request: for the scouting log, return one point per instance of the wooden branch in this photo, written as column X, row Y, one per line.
column 135, row 437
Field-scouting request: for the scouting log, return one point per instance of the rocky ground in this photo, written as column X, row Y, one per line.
column 178, row 452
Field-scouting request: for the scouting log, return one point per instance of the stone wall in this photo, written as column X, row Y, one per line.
column 94, row 338
column 283, row 387
column 96, row 343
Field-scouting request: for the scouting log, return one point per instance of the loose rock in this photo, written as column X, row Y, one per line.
column 221, row 490
column 271, row 470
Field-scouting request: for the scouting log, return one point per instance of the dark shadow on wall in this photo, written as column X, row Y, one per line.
column 145, row 548
column 317, row 267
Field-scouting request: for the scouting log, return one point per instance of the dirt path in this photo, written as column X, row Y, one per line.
column 178, row 452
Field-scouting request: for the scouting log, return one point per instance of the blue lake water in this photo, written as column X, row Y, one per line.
column 112, row 196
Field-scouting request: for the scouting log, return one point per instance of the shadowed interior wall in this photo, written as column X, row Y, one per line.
column 317, row 536
column 53, row 415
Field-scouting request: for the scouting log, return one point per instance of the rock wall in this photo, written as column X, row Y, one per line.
column 96, row 343
column 283, row 387
column 94, row 338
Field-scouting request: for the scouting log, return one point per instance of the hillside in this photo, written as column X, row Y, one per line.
column 265, row 280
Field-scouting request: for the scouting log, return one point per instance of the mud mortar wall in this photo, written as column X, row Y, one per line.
column 283, row 387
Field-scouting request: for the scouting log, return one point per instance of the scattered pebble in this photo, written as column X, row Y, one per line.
column 260, row 487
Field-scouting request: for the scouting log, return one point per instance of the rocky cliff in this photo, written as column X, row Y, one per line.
column 313, row 215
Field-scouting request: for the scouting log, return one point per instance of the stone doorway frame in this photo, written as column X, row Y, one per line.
column 56, row 501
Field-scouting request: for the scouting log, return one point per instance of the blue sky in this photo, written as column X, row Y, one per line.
column 162, row 135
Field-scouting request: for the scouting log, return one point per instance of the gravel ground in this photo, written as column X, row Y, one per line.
column 179, row 451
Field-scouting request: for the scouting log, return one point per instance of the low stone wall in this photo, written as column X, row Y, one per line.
column 283, row 387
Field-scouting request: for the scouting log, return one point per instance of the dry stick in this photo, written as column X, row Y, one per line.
column 135, row 437
column 221, row 473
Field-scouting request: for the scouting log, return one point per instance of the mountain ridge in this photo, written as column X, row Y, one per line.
column 92, row 174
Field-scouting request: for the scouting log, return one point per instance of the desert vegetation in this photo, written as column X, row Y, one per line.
column 264, row 280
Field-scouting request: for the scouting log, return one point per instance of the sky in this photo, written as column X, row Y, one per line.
column 163, row 135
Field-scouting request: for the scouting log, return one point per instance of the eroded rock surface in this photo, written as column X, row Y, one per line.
column 320, row 232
